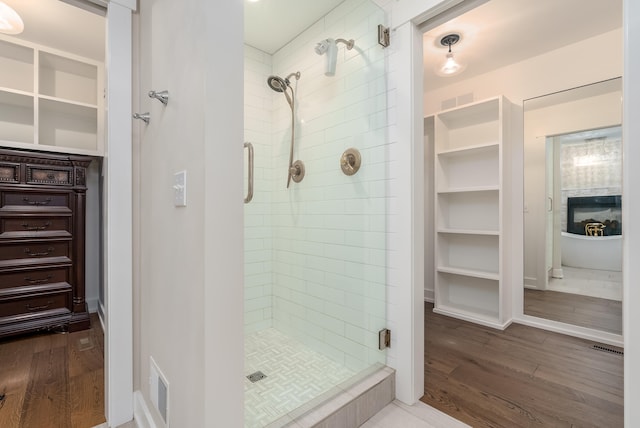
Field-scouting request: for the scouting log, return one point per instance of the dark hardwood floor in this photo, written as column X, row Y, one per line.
column 520, row 377
column 53, row 380
column 585, row 311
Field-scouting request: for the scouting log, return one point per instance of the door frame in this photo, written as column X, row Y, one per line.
column 409, row 16
column 118, row 215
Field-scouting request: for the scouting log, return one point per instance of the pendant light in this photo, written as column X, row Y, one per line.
column 10, row 21
column 450, row 66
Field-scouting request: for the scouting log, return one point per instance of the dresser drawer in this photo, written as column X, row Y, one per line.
column 37, row 250
column 49, row 175
column 34, row 225
column 32, row 277
column 34, row 304
column 34, row 200
column 9, row 172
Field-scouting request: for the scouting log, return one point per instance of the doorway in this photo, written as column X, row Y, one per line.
column 515, row 80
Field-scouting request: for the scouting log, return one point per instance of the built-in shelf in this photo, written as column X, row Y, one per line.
column 50, row 100
column 469, row 148
column 16, row 120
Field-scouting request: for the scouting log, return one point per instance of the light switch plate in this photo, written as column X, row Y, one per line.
column 180, row 189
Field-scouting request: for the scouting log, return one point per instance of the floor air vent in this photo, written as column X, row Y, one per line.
column 606, row 349
column 254, row 377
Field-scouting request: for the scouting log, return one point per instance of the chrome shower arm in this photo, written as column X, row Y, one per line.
column 349, row 43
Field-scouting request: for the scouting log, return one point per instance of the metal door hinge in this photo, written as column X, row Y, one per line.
column 383, row 36
column 384, row 339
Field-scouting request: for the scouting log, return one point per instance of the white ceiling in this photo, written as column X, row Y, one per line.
column 495, row 34
column 271, row 24
column 503, row 32
column 61, row 26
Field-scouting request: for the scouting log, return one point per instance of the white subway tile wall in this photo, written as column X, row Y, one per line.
column 316, row 252
column 258, row 238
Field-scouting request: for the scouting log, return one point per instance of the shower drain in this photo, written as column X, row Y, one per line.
column 254, row 377
column 606, row 349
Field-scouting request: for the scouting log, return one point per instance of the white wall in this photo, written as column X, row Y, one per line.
column 190, row 273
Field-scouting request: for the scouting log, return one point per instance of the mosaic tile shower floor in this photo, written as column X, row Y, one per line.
column 295, row 375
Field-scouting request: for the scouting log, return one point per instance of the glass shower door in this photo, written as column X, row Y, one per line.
column 315, row 252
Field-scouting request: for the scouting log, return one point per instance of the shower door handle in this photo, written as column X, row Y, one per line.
column 249, row 196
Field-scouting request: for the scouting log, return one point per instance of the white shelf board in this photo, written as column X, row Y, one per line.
column 488, row 319
column 495, row 188
column 470, row 232
column 15, row 91
column 15, row 99
column 49, row 148
column 473, row 273
column 69, row 102
column 471, row 114
column 463, row 151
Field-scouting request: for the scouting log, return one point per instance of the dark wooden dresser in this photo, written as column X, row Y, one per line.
column 42, row 242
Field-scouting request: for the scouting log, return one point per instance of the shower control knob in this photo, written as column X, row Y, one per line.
column 350, row 161
column 297, row 171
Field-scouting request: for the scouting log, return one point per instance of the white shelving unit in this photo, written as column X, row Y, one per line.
column 470, row 216
column 50, row 100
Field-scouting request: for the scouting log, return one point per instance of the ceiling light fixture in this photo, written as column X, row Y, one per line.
column 10, row 21
column 450, row 66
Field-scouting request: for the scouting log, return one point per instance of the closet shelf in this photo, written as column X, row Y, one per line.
column 484, row 232
column 495, row 188
column 494, row 276
column 471, row 145
column 50, row 100
column 64, row 101
column 467, row 150
column 15, row 91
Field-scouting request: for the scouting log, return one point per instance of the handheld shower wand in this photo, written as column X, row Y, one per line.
column 278, row 84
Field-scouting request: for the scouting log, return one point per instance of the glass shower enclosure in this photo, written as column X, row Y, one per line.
column 315, row 239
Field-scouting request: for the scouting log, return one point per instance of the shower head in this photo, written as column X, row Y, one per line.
column 279, row 84
column 276, row 83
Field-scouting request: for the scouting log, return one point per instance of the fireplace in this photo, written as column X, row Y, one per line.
column 595, row 215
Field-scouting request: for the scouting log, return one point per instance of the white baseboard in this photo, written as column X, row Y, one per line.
column 141, row 413
column 429, row 296
column 92, row 305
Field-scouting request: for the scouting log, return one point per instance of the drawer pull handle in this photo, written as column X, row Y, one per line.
column 28, row 252
column 27, row 226
column 38, row 281
column 38, row 308
column 30, row 202
column 51, row 176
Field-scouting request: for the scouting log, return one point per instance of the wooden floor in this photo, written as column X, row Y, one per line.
column 585, row 311
column 520, row 377
column 53, row 380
